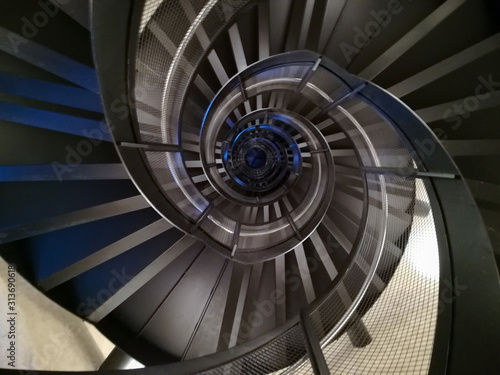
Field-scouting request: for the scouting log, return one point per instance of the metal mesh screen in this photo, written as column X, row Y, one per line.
column 149, row 8
column 173, row 37
column 402, row 321
column 273, row 357
column 377, row 143
column 331, row 313
column 221, row 226
column 172, row 184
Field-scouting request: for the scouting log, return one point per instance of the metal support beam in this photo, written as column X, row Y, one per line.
column 152, row 146
column 55, row 121
column 316, row 356
column 407, row 172
column 50, row 92
column 410, row 39
column 70, row 219
column 109, row 252
column 472, row 147
column 440, row 111
column 307, row 77
column 202, row 217
column 349, row 95
column 447, row 66
column 142, row 278
column 61, row 172
column 236, row 237
column 358, row 334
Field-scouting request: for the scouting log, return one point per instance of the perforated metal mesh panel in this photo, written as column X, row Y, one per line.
column 172, row 184
column 376, row 141
column 150, row 7
column 174, row 36
column 274, row 357
column 215, row 223
column 402, row 321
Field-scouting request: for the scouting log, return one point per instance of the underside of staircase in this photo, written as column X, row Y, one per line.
column 252, row 187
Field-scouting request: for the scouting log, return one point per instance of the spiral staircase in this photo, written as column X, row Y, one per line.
column 249, row 187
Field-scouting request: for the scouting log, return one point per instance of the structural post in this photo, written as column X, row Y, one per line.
column 316, row 356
